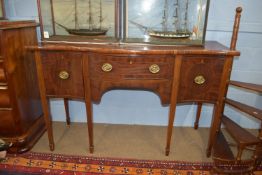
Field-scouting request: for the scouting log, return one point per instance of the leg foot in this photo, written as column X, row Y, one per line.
column 196, row 125
column 52, row 146
column 208, row 152
column 91, row 149
column 167, row 152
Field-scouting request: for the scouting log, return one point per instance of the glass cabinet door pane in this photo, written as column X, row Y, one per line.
column 166, row 21
column 46, row 17
column 93, row 19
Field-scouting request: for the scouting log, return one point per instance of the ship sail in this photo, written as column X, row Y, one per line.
column 92, row 30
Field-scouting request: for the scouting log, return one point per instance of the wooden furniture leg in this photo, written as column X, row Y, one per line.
column 260, row 131
column 67, row 111
column 172, row 107
column 219, row 105
column 239, row 152
column 213, row 130
column 88, row 103
column 44, row 101
column 199, row 109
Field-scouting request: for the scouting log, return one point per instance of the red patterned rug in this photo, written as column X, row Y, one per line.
column 39, row 163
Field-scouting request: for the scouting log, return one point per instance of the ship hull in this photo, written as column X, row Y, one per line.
column 169, row 34
column 87, row 32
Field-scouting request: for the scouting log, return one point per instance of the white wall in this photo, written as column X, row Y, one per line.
column 141, row 107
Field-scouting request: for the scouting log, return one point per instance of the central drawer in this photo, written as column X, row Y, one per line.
column 63, row 74
column 131, row 67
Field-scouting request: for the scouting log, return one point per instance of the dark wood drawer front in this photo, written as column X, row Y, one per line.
column 131, row 67
column 200, row 78
column 7, row 123
column 63, row 74
column 4, row 97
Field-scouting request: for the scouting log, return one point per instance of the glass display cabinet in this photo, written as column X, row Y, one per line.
column 91, row 20
column 161, row 22
column 166, row 21
column 2, row 10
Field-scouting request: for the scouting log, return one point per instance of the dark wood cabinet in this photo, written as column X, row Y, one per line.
column 176, row 74
column 21, row 116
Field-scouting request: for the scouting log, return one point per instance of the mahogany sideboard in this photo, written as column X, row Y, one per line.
column 21, row 115
column 178, row 74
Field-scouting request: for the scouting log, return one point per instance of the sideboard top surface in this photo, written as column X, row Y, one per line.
column 210, row 48
column 9, row 24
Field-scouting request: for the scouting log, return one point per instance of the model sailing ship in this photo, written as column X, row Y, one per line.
column 92, row 29
column 177, row 31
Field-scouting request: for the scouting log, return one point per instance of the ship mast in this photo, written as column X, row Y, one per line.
column 186, row 17
column 165, row 16
column 76, row 16
column 176, row 20
column 100, row 17
column 90, row 16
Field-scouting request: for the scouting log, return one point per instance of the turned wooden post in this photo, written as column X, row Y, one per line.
column 236, row 28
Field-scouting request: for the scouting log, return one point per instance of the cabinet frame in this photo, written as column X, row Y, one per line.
column 121, row 28
column 3, row 10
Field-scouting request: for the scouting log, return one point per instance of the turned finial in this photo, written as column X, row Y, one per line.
column 239, row 9
column 236, row 28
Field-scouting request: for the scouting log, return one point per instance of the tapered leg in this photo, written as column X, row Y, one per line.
column 260, row 131
column 67, row 111
column 88, row 103
column 89, row 112
column 215, row 127
column 199, row 109
column 239, row 153
column 48, row 122
column 44, row 101
column 173, row 102
column 171, row 117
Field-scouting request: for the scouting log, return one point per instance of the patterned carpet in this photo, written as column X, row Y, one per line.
column 38, row 163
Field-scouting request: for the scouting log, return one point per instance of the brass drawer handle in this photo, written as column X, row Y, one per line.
column 200, row 79
column 107, row 67
column 154, row 68
column 64, row 75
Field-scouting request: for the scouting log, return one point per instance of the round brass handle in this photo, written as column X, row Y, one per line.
column 64, row 75
column 200, row 79
column 154, row 68
column 107, row 67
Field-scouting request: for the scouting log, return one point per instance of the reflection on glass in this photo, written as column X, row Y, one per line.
column 166, row 21
column 91, row 18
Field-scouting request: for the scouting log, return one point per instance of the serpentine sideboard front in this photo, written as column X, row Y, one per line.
column 177, row 74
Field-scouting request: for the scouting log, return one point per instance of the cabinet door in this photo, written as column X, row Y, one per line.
column 63, row 74
column 200, row 78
